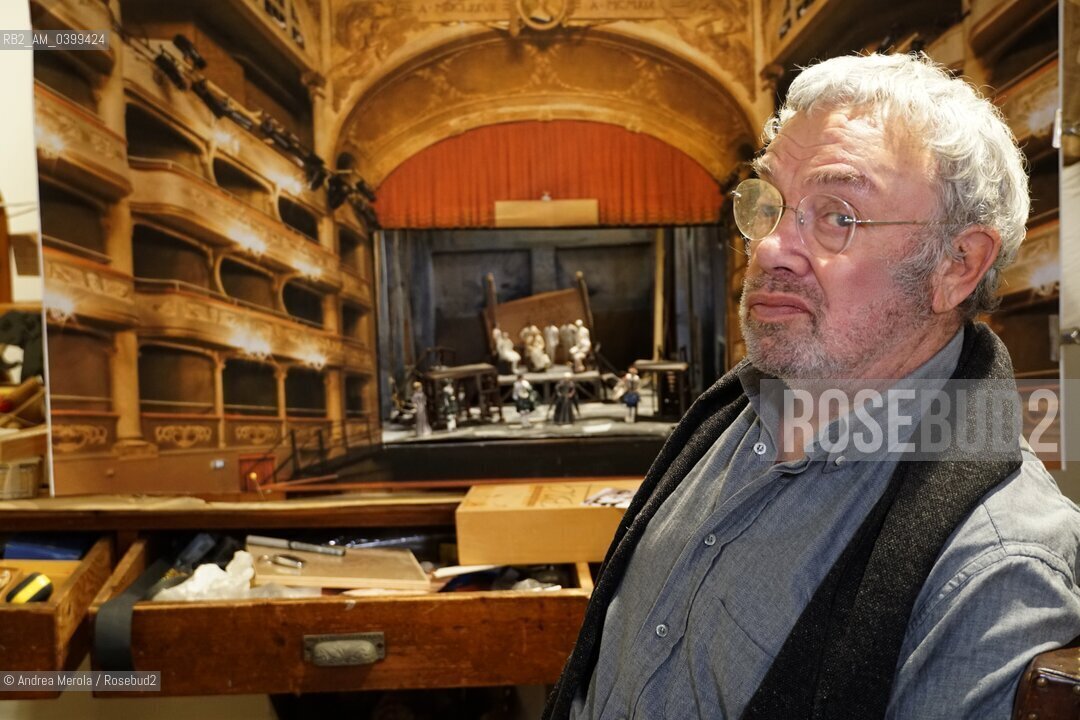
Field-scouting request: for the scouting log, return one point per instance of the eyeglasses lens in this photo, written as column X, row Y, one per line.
column 758, row 206
column 826, row 221
column 823, row 221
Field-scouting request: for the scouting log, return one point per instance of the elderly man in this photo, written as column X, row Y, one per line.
column 754, row 577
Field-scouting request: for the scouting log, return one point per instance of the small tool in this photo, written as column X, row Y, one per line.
column 289, row 561
column 294, row 545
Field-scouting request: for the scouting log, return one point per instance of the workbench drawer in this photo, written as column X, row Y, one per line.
column 427, row 641
column 53, row 635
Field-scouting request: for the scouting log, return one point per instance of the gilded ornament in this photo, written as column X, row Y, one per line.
column 182, row 436
column 73, row 438
column 255, row 434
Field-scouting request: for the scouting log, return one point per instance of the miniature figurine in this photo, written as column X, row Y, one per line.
column 419, row 401
column 524, row 399
column 568, row 336
column 449, row 405
column 565, row 400
column 533, row 340
column 551, row 341
column 630, row 396
column 504, row 348
column 580, row 350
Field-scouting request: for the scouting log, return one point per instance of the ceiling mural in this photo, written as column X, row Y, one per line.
column 370, row 34
column 570, row 75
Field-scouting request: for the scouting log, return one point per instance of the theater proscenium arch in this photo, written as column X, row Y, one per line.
column 580, row 75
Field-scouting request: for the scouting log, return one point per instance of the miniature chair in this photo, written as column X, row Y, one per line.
column 437, row 357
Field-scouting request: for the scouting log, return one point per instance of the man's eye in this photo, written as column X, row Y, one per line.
column 837, row 219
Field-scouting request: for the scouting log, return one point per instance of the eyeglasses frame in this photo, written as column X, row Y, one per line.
column 854, row 223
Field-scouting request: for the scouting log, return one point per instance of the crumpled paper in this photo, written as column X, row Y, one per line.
column 210, row 582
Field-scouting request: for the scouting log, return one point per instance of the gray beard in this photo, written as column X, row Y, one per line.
column 802, row 353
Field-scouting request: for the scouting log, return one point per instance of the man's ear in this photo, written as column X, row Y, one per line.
column 973, row 252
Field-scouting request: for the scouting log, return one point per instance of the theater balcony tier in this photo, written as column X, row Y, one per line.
column 146, row 85
column 145, row 82
column 75, row 146
column 356, row 288
column 171, row 309
column 78, row 15
column 281, row 37
column 176, row 198
column 1030, row 102
column 86, row 289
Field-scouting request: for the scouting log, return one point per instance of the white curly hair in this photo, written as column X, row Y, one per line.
column 980, row 171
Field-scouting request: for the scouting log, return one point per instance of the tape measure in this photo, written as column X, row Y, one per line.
column 35, row 587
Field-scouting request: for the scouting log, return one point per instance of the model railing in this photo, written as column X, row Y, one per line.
column 311, row 455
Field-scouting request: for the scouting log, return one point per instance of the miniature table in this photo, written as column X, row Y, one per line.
column 662, row 393
column 589, row 383
column 481, row 383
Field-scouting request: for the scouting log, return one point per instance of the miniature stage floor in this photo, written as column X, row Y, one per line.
column 596, row 419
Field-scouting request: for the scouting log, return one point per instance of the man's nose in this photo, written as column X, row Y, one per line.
column 783, row 248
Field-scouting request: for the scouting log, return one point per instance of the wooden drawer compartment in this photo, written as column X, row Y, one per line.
column 441, row 640
column 52, row 635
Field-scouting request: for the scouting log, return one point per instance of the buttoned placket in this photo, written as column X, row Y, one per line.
column 665, row 625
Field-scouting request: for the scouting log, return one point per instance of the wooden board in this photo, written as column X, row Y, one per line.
column 394, row 569
column 546, row 213
column 539, row 523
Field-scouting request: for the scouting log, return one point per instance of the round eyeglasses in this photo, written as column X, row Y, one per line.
column 825, row 223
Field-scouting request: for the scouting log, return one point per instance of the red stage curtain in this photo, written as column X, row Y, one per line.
column 637, row 179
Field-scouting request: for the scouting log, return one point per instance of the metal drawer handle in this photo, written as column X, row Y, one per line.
column 344, row 650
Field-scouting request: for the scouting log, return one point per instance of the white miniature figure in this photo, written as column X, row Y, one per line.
column 524, row 398
column 580, row 349
column 551, row 340
column 419, row 401
column 449, row 403
column 631, row 393
column 504, row 348
column 568, row 338
column 533, row 340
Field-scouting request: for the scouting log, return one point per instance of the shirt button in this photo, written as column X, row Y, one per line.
column 661, row 630
column 759, row 448
column 710, row 539
column 840, row 460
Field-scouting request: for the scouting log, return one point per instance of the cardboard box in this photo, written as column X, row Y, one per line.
column 536, row 523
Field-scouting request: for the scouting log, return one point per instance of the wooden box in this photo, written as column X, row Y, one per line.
column 52, row 635
column 427, row 641
column 536, row 523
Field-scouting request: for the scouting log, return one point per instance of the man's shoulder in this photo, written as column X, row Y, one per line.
column 1025, row 519
column 1026, row 513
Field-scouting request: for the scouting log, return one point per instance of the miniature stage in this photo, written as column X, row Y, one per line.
column 595, row 420
column 598, row 443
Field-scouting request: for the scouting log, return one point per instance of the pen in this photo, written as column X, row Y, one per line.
column 294, row 545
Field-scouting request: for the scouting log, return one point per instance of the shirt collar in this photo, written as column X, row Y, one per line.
column 768, row 404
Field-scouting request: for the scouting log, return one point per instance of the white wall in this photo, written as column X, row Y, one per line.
column 18, row 160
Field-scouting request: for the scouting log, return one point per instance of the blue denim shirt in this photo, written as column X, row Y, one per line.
column 733, row 556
